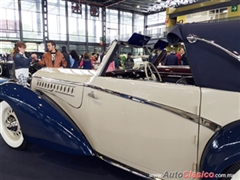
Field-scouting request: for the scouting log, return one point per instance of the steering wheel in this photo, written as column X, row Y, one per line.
column 149, row 68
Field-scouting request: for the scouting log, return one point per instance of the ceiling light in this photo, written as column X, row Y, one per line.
column 138, row 6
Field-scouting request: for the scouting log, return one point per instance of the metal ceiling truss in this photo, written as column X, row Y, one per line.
column 146, row 6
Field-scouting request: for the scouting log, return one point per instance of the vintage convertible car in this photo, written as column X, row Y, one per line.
column 141, row 120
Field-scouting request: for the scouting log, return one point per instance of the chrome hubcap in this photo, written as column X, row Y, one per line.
column 12, row 125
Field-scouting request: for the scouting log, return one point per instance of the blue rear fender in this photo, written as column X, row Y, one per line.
column 222, row 150
column 43, row 122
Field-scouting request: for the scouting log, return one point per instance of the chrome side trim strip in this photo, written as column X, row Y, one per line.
column 125, row 167
column 192, row 117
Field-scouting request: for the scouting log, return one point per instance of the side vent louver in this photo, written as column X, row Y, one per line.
column 56, row 87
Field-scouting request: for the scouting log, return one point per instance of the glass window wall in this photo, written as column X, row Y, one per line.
column 111, row 25
column 77, row 25
column 139, row 23
column 126, row 27
column 9, row 20
column 57, row 20
column 31, row 20
column 94, row 26
column 6, row 47
column 156, row 18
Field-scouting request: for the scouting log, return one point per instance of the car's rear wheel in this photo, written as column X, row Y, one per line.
column 10, row 128
column 232, row 172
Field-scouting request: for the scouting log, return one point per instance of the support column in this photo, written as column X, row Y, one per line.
column 20, row 20
column 67, row 24
column 45, row 23
column 119, row 24
column 86, row 26
column 119, row 30
column 104, row 21
column 133, row 21
column 145, row 25
column 38, row 19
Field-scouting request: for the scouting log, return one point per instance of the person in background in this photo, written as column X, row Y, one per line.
column 74, row 59
column 116, row 61
column 179, row 55
column 111, row 66
column 101, row 56
column 52, row 58
column 184, row 60
column 161, row 63
column 154, row 56
column 19, row 58
column 97, row 56
column 66, row 56
column 86, row 63
column 94, row 56
column 129, row 63
column 21, row 62
column 171, row 59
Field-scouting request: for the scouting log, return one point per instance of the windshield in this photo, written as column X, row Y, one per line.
column 132, row 57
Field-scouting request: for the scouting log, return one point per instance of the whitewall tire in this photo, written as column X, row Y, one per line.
column 10, row 127
column 236, row 176
column 232, row 172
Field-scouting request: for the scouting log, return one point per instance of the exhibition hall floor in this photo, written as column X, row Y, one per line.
column 37, row 163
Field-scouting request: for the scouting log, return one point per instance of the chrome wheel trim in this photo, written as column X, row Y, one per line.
column 11, row 124
column 10, row 127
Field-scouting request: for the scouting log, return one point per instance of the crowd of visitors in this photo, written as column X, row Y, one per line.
column 176, row 59
column 54, row 58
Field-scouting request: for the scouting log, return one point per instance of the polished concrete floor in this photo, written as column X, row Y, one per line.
column 37, row 163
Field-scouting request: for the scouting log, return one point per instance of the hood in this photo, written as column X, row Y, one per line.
column 74, row 75
column 62, row 84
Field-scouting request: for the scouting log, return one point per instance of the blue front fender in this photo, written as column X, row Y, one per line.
column 222, row 150
column 43, row 122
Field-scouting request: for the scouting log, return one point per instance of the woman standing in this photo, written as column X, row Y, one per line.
column 86, row 63
column 75, row 58
column 21, row 62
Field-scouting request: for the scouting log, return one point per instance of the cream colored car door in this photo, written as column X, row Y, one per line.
column 150, row 126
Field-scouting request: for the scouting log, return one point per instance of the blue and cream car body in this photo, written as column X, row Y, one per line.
column 145, row 125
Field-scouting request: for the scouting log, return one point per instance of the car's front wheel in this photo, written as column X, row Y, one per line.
column 10, row 128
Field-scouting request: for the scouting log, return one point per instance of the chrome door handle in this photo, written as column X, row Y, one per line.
column 92, row 95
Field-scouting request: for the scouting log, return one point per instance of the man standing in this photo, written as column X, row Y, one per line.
column 171, row 59
column 179, row 55
column 52, row 58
